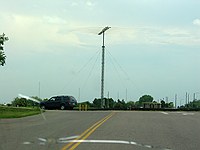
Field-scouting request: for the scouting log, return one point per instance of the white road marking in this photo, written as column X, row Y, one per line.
column 165, row 113
column 185, row 114
column 114, row 142
column 44, row 141
column 43, row 116
column 68, row 138
column 182, row 113
column 101, row 141
column 27, row 143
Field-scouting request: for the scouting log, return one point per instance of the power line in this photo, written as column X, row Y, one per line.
column 90, row 71
column 115, row 68
column 68, row 84
column 123, row 70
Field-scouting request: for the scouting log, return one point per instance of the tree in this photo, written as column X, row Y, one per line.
column 137, row 104
column 22, row 102
column 166, row 105
column 97, row 103
column 120, row 105
column 194, row 104
column 162, row 104
column 109, row 103
column 19, row 102
column 87, row 103
column 37, row 98
column 170, row 105
column 2, row 55
column 130, row 104
column 145, row 98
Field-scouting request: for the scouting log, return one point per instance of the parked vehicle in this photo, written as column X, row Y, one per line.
column 59, row 102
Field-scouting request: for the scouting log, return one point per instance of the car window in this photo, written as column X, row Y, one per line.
column 52, row 99
column 57, row 99
column 66, row 98
column 72, row 99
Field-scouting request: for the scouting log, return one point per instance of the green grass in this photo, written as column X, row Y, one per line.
column 17, row 112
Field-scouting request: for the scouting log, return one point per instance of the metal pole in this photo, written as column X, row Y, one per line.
column 175, row 100
column 126, row 94
column 79, row 95
column 39, row 90
column 186, row 97
column 108, row 100
column 102, row 69
column 102, row 74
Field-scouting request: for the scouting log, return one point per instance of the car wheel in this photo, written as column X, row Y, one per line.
column 62, row 107
column 42, row 107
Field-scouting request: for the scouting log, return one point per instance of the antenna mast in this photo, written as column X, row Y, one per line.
column 102, row 67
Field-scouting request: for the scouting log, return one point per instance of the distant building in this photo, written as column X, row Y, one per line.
column 151, row 105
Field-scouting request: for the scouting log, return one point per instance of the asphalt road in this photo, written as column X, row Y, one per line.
column 119, row 130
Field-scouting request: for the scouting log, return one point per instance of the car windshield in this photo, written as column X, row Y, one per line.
column 97, row 74
column 73, row 99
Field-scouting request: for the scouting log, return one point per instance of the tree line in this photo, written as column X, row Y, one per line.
column 109, row 103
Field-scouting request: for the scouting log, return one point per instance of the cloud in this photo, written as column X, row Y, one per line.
column 74, row 4
column 196, row 22
column 176, row 32
column 153, row 35
column 54, row 20
column 40, row 34
column 180, row 36
column 89, row 3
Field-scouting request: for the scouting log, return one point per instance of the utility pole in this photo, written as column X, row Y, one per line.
column 39, row 90
column 79, row 94
column 166, row 99
column 117, row 95
column 194, row 96
column 102, row 70
column 175, row 100
column 108, row 99
column 126, row 94
column 186, row 97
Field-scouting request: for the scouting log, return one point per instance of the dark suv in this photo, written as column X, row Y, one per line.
column 59, row 102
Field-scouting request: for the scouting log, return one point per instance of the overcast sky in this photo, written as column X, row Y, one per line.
column 153, row 47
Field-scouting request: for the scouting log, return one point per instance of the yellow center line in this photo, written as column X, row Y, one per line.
column 87, row 132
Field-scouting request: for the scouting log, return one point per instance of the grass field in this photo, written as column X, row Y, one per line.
column 17, row 112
